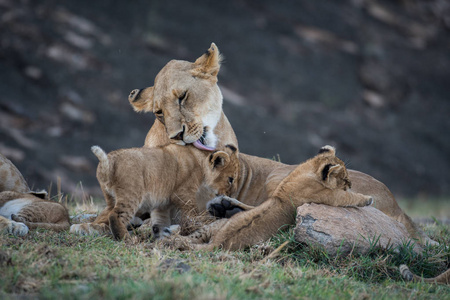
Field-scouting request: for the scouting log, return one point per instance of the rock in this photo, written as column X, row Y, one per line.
column 341, row 230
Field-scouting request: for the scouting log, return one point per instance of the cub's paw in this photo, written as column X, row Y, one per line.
column 223, row 207
column 368, row 201
column 364, row 201
column 134, row 223
column 17, row 228
column 89, row 229
column 159, row 232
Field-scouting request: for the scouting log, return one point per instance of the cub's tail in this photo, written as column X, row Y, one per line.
column 443, row 278
column 103, row 166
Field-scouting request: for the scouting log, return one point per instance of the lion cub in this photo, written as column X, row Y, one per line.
column 144, row 180
column 322, row 179
column 33, row 211
column 22, row 209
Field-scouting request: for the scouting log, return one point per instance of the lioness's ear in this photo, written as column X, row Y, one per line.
column 208, row 64
column 219, row 159
column 142, row 99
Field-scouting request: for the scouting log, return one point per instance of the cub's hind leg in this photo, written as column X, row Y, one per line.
column 126, row 206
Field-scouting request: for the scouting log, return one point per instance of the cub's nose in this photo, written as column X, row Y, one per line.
column 134, row 95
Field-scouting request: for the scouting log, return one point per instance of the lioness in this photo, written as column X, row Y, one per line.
column 10, row 177
column 443, row 278
column 187, row 99
column 322, row 179
column 144, row 180
column 185, row 95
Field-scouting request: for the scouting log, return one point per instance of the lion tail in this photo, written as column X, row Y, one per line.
column 443, row 278
column 103, row 165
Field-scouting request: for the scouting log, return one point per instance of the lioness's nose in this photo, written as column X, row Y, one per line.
column 133, row 95
column 179, row 136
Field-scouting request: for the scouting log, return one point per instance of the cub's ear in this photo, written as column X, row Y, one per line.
column 208, row 64
column 142, row 99
column 327, row 150
column 335, row 176
column 218, row 159
column 330, row 171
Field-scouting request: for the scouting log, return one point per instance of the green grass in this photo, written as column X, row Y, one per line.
column 50, row 265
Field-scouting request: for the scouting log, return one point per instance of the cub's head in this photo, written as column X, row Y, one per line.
column 222, row 171
column 186, row 99
column 329, row 169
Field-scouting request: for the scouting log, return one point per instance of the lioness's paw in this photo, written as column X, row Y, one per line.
column 222, row 207
column 17, row 228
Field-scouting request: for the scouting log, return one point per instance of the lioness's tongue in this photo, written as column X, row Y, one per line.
column 197, row 144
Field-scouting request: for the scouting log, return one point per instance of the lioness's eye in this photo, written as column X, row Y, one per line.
column 182, row 97
column 230, row 180
column 160, row 115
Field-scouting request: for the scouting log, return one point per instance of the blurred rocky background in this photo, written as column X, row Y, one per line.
column 369, row 77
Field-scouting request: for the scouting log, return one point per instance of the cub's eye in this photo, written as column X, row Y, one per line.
column 230, row 180
column 182, row 98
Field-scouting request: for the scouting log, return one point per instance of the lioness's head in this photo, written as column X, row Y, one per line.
column 186, row 99
column 222, row 171
column 329, row 169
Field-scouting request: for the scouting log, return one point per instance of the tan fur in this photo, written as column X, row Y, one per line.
column 12, row 227
column 200, row 79
column 198, row 114
column 10, row 178
column 34, row 212
column 443, row 278
column 322, row 179
column 12, row 187
column 153, row 180
column 186, row 95
column 258, row 178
